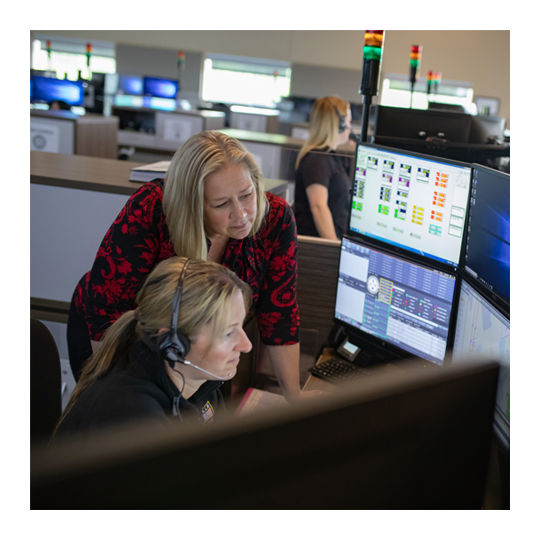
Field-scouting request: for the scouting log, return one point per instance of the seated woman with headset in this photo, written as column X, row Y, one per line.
column 322, row 181
column 166, row 359
column 211, row 206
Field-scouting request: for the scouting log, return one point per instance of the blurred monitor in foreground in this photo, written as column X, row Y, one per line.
column 420, row 440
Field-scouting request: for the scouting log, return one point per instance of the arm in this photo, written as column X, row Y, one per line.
column 317, row 195
column 285, row 360
column 128, row 252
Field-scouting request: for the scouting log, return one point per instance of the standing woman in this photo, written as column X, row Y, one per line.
column 322, row 182
column 211, row 206
column 141, row 373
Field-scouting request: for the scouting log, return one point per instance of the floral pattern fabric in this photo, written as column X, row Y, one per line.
column 139, row 239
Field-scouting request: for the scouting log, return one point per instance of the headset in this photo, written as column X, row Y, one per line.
column 342, row 124
column 175, row 347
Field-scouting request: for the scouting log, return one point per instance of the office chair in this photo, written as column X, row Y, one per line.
column 45, row 382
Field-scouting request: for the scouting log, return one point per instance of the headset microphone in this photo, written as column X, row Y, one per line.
column 175, row 347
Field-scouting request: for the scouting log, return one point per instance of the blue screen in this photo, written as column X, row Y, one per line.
column 130, row 84
column 487, row 255
column 47, row 89
column 160, row 88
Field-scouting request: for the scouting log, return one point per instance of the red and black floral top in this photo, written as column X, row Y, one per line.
column 139, row 238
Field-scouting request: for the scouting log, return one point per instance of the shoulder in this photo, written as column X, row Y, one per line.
column 149, row 192
column 279, row 211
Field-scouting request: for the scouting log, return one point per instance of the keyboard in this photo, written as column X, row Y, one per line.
column 336, row 370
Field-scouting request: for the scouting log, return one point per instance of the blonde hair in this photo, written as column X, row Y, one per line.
column 207, row 293
column 323, row 124
column 202, row 155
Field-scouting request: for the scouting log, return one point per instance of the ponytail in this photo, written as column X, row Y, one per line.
column 113, row 349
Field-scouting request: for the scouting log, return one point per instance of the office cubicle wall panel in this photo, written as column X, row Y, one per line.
column 66, row 229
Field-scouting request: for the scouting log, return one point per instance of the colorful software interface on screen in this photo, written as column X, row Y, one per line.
column 481, row 331
column 415, row 203
column 405, row 304
column 487, row 255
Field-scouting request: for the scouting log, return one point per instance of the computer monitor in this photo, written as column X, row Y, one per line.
column 417, row 441
column 417, row 124
column 160, row 88
column 131, row 85
column 47, row 89
column 487, row 242
column 483, row 331
column 409, row 201
column 487, row 129
column 404, row 306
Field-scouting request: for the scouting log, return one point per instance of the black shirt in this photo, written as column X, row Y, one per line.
column 139, row 390
column 329, row 170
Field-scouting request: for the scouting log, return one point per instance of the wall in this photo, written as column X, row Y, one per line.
column 481, row 57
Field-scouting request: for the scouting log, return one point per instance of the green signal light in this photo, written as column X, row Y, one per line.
column 372, row 53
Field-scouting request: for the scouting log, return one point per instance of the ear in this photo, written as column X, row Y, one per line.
column 162, row 330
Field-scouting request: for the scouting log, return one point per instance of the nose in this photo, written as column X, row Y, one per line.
column 244, row 344
column 237, row 211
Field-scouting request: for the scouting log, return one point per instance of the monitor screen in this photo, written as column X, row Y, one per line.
column 387, row 296
column 131, row 85
column 47, row 89
column 487, row 249
column 410, row 201
column 483, row 331
column 160, row 88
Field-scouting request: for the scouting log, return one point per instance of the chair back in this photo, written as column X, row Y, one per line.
column 45, row 382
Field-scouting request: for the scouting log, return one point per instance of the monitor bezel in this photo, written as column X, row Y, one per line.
column 356, row 335
column 500, row 302
column 423, row 259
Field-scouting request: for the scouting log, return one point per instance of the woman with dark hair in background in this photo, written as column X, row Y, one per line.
column 322, row 191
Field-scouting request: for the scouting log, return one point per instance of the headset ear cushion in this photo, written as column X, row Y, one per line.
column 186, row 344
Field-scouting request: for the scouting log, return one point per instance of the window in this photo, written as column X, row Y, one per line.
column 396, row 92
column 245, row 81
column 68, row 57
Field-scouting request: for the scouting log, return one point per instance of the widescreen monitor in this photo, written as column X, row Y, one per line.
column 131, row 85
column 482, row 331
column 410, row 201
column 487, row 248
column 406, row 305
column 160, row 88
column 47, row 89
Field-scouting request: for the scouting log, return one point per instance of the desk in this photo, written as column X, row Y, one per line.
column 162, row 132
column 67, row 133
column 315, row 383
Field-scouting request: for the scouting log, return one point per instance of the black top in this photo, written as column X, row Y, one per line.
column 139, row 390
column 329, row 170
